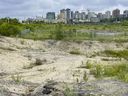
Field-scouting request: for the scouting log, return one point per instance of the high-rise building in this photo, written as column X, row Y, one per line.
column 68, row 14
column 50, row 16
column 65, row 15
column 100, row 16
column 72, row 15
column 125, row 13
column 107, row 14
column 82, row 16
column 116, row 13
column 62, row 15
column 91, row 14
column 39, row 18
column 76, row 15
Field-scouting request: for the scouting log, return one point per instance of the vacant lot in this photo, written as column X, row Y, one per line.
column 27, row 64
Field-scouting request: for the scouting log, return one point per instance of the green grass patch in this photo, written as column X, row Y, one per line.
column 119, row 71
column 117, row 54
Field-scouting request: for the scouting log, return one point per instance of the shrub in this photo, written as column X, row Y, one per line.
column 75, row 51
column 38, row 62
column 9, row 30
column 59, row 32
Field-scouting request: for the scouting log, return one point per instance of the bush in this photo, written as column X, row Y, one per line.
column 38, row 62
column 9, row 30
column 75, row 52
column 59, row 32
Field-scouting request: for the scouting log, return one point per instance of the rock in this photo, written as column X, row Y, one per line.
column 49, row 89
column 40, row 62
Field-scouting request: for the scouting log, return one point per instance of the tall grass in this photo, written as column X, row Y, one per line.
column 119, row 71
column 118, row 54
column 66, row 32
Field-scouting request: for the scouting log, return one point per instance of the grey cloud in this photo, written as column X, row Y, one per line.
column 28, row 8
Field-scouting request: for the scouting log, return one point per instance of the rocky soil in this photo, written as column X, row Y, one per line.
column 27, row 64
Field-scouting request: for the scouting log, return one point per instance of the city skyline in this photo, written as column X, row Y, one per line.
column 30, row 8
column 69, row 16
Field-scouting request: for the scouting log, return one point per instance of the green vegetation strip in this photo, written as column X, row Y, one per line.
column 120, row 71
column 118, row 54
column 41, row 31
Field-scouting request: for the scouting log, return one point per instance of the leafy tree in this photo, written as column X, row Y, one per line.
column 9, row 21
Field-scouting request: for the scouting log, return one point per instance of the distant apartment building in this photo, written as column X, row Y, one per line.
column 94, row 19
column 76, row 15
column 62, row 16
column 104, row 16
column 72, row 15
column 50, row 16
column 116, row 13
column 82, row 16
column 66, row 15
column 91, row 15
column 125, row 13
column 108, row 14
column 39, row 18
column 100, row 16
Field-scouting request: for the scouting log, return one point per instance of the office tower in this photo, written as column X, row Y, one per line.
column 116, row 13
column 107, row 14
column 100, row 16
column 72, row 15
column 50, row 16
column 125, row 13
column 62, row 14
column 68, row 14
column 76, row 15
column 82, row 16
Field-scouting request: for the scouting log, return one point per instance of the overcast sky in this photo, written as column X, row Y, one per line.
column 32, row 8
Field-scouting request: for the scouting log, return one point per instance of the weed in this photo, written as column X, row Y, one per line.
column 117, row 54
column 17, row 78
column 119, row 71
column 22, row 42
column 38, row 62
column 97, row 71
column 85, row 77
column 75, row 52
column 89, row 65
column 69, row 92
column 30, row 66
